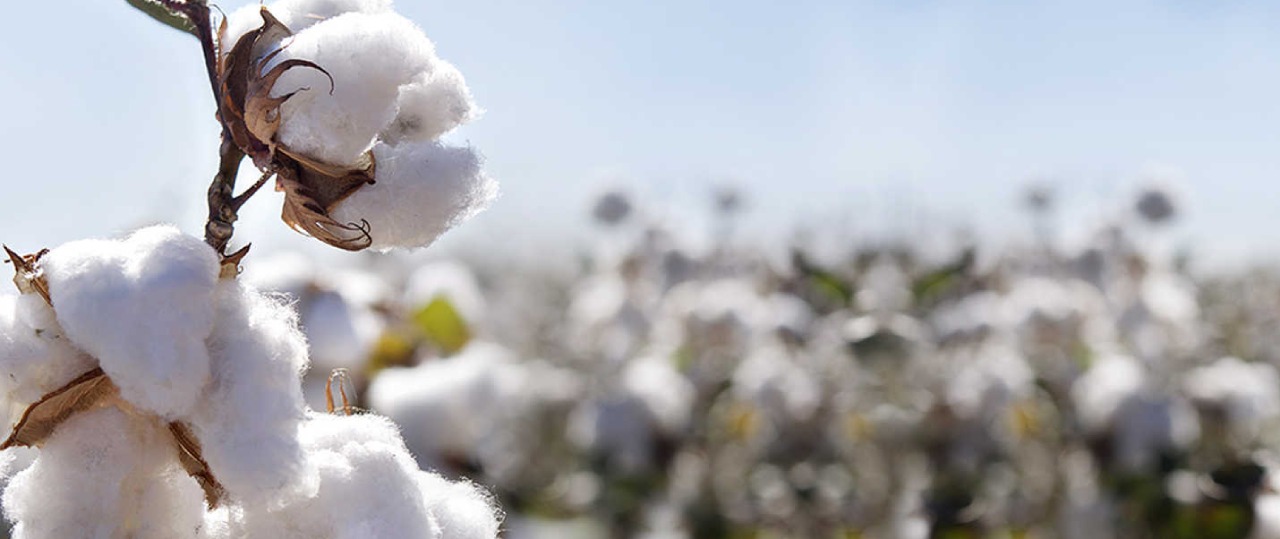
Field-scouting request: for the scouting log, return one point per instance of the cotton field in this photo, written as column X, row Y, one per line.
column 660, row 390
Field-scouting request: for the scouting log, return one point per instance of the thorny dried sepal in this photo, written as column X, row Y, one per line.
column 28, row 276
column 252, row 116
column 230, row 268
column 90, row 390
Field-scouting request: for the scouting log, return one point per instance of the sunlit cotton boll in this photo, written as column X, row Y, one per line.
column 1248, row 394
column 423, row 189
column 370, row 488
column 143, row 307
column 251, row 411
column 105, row 473
column 446, row 406
column 369, row 57
column 34, row 354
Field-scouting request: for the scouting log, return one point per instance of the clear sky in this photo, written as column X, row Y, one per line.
column 865, row 113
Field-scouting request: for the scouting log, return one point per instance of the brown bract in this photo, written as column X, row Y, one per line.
column 312, row 188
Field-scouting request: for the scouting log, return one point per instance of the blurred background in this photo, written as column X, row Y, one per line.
column 829, row 269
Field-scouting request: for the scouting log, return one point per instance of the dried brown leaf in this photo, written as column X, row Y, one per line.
column 191, row 455
column 91, row 390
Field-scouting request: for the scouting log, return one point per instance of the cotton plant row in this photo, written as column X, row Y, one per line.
column 153, row 393
column 1094, row 392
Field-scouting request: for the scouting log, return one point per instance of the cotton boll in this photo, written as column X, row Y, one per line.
column 1103, row 388
column 366, row 486
column 666, row 394
column 369, row 57
column 302, row 14
column 34, row 355
column 1247, row 393
column 143, row 307
column 431, row 105
column 250, row 413
column 369, row 488
column 446, row 406
column 105, row 473
column 1267, row 522
column 423, row 189
column 340, row 332
column 462, row 510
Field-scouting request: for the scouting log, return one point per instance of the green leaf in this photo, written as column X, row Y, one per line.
column 163, row 14
column 442, row 326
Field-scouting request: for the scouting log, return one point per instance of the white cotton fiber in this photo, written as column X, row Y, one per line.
column 143, row 307
column 369, row 488
column 105, row 473
column 34, row 355
column 423, row 189
column 446, row 406
column 461, row 510
column 431, row 105
column 251, row 411
column 369, row 56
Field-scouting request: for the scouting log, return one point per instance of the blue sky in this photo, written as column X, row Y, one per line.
column 874, row 115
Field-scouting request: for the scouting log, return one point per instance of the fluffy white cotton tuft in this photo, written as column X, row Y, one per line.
column 252, row 409
column 34, row 354
column 143, row 307
column 423, row 189
column 445, row 406
column 105, row 473
column 461, row 510
column 369, row 56
column 431, row 105
column 369, row 488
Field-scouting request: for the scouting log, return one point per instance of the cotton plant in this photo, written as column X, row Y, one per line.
column 162, row 394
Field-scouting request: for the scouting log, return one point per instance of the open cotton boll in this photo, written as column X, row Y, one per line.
column 423, row 189
column 462, row 510
column 445, row 406
column 666, row 394
column 1104, row 387
column 1246, row 392
column 143, row 307
column 369, row 57
column 296, row 15
column 305, row 13
column 340, row 332
column 34, row 355
column 105, row 473
column 251, row 411
column 369, row 488
column 431, row 105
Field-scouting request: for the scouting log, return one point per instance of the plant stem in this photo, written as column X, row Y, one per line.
column 223, row 204
column 222, row 201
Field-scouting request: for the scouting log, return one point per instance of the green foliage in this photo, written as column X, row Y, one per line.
column 442, row 326
column 158, row 11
